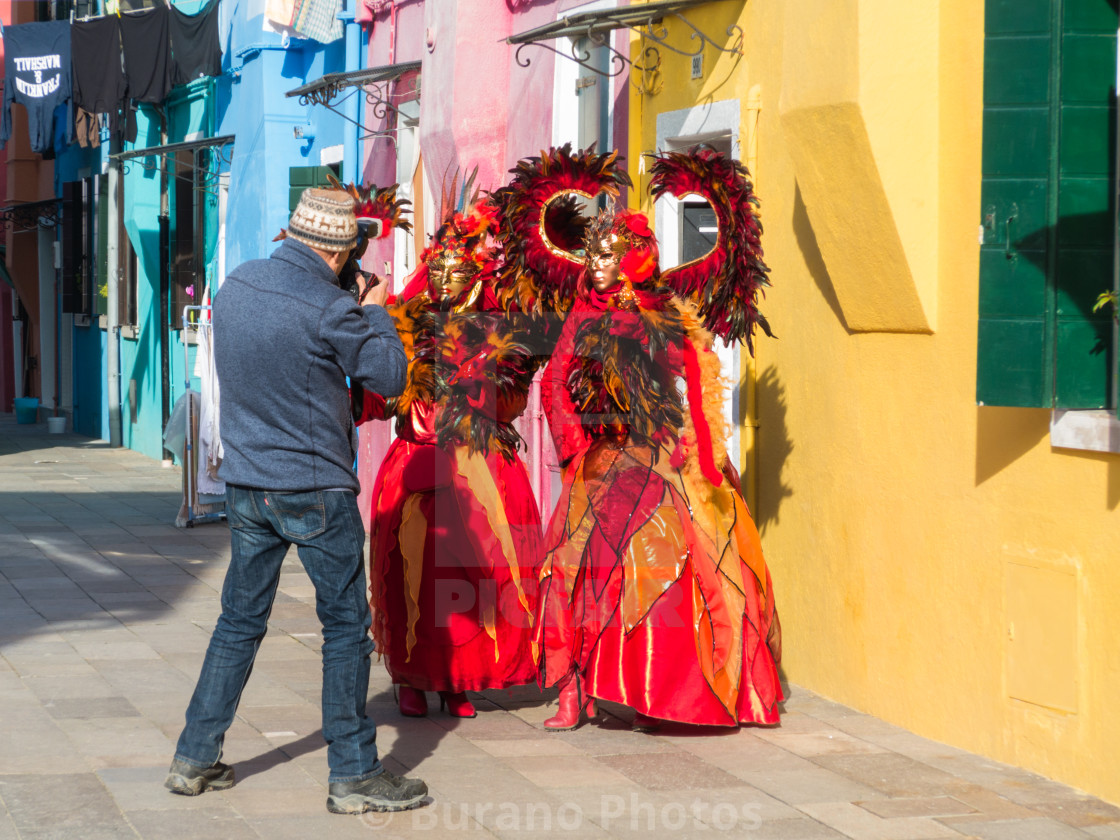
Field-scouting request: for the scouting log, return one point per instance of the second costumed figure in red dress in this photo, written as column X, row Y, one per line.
column 455, row 537
column 654, row 591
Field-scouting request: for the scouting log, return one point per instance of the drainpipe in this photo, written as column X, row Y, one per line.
column 164, row 279
column 351, row 165
column 113, row 334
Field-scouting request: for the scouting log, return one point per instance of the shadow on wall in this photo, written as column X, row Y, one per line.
column 1112, row 465
column 774, row 446
column 1004, row 435
column 811, row 253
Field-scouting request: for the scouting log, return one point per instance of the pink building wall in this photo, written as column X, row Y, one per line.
column 478, row 107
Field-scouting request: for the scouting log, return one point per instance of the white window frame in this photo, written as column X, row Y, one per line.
column 408, row 158
column 565, row 102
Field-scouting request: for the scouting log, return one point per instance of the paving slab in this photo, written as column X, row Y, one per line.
column 1032, row 829
column 108, row 609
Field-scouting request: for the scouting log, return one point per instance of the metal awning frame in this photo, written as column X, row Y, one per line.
column 646, row 20
column 371, row 82
column 210, row 173
column 31, row 215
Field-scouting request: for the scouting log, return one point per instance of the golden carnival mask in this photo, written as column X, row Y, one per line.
column 449, row 275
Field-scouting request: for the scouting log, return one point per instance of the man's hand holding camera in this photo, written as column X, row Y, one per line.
column 371, row 289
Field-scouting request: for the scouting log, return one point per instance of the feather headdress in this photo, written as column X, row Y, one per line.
column 725, row 283
column 542, row 228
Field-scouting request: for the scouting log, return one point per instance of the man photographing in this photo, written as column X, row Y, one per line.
column 286, row 336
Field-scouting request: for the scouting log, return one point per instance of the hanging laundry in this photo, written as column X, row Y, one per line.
column 318, row 20
column 147, row 54
column 37, row 75
column 210, row 449
column 195, row 46
column 278, row 15
column 99, row 82
column 114, row 7
column 367, row 10
column 87, row 128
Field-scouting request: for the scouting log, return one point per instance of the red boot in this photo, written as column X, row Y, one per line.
column 457, row 704
column 412, row 702
column 572, row 704
column 644, row 723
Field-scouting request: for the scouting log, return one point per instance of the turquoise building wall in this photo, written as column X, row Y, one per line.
column 248, row 102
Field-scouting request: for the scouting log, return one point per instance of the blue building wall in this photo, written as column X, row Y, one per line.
column 266, row 146
column 248, row 102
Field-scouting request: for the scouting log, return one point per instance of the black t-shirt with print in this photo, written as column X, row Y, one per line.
column 37, row 75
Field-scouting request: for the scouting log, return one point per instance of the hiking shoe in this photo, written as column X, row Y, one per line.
column 191, row 781
column 385, row 792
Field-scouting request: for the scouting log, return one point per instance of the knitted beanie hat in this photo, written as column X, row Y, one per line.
column 324, row 219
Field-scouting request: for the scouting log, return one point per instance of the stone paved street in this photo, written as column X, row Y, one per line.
column 105, row 612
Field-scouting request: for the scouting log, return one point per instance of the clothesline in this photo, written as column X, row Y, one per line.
column 118, row 13
column 104, row 65
column 142, row 11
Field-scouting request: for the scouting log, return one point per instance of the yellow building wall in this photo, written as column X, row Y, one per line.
column 936, row 564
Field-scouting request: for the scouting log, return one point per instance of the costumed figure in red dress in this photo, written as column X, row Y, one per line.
column 455, row 536
column 654, row 591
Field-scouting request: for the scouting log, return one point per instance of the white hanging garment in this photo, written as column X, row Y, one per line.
column 210, row 451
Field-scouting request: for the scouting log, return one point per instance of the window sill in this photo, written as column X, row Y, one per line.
column 1091, row 431
column 130, row 331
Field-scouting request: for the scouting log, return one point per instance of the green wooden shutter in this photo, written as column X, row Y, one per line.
column 302, row 177
column 1048, row 229
column 69, row 229
column 1086, row 212
column 75, row 234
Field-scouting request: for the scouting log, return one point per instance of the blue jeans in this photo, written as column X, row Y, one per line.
column 327, row 531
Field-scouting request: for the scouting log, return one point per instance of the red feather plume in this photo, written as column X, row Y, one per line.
column 726, row 283
column 541, row 270
column 378, row 204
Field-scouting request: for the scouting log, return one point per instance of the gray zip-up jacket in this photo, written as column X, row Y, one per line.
column 285, row 339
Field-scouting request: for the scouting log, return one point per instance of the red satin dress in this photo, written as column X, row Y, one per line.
column 654, row 588
column 455, row 547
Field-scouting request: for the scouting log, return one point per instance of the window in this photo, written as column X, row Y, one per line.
column 583, row 98
column 593, row 90
column 77, row 234
column 189, row 221
column 46, row 10
column 85, row 251
column 1048, row 233
column 698, row 229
